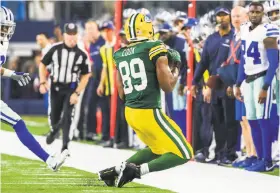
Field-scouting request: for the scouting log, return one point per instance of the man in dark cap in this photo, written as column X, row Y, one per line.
column 215, row 52
column 70, row 71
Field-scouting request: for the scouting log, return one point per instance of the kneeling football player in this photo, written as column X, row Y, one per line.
column 144, row 67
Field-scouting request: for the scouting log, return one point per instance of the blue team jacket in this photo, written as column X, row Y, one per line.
column 215, row 52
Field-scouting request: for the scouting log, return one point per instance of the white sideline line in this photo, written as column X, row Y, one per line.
column 189, row 178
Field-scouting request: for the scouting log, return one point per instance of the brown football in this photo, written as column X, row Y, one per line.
column 214, row 82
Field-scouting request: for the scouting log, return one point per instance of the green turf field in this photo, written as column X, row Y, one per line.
column 20, row 175
column 38, row 125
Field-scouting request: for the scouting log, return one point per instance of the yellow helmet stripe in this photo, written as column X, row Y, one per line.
column 132, row 30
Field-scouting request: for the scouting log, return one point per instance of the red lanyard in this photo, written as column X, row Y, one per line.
column 233, row 52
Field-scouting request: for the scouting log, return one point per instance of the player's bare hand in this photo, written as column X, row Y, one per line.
column 43, row 88
column 230, row 92
column 262, row 96
column 194, row 90
column 238, row 94
column 207, row 92
column 181, row 90
column 100, row 90
column 74, row 98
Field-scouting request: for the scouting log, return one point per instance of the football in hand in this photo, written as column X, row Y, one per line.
column 214, row 82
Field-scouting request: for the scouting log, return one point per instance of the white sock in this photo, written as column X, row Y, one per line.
column 144, row 169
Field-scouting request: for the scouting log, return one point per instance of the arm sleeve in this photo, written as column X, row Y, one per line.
column 47, row 59
column 85, row 66
column 272, row 31
column 203, row 65
column 273, row 58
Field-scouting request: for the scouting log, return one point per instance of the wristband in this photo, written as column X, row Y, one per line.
column 8, row 73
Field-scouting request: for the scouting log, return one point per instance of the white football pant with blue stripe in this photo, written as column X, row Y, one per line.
column 254, row 110
column 7, row 115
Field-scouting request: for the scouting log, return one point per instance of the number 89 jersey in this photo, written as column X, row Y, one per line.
column 136, row 64
column 253, row 48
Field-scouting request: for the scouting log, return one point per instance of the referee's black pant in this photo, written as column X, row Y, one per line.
column 60, row 103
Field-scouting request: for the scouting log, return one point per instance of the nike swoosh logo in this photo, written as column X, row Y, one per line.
column 54, row 167
column 269, row 168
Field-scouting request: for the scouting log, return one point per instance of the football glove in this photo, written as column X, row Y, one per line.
column 174, row 59
column 21, row 77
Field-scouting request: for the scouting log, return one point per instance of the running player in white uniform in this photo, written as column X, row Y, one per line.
column 7, row 115
column 258, row 66
column 272, row 11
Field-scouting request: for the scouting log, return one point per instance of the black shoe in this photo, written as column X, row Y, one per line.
column 76, row 138
column 212, row 161
column 64, row 147
column 122, row 145
column 225, row 162
column 108, row 143
column 90, row 137
column 200, row 157
column 51, row 137
column 128, row 172
column 108, row 176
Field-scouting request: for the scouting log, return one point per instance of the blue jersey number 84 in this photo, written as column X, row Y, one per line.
column 252, row 51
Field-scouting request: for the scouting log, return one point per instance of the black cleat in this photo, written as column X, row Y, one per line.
column 51, row 137
column 108, row 176
column 129, row 171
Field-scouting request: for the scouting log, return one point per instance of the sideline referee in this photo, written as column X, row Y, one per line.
column 70, row 71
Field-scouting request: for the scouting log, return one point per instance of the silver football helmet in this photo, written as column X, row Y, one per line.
column 272, row 10
column 7, row 24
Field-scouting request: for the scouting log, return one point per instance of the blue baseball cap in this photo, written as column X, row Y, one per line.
column 190, row 22
column 107, row 25
column 222, row 9
column 165, row 27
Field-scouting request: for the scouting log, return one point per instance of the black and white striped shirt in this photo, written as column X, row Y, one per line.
column 67, row 64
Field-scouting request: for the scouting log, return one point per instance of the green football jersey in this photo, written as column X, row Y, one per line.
column 137, row 66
